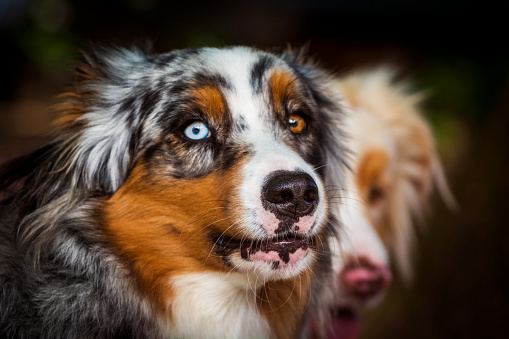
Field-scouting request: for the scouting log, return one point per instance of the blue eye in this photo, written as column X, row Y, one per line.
column 197, row 131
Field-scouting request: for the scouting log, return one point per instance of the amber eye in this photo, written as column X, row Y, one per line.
column 297, row 123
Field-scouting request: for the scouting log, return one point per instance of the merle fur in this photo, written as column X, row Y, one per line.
column 58, row 276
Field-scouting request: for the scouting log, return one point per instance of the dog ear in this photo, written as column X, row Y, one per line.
column 99, row 116
column 418, row 169
column 296, row 55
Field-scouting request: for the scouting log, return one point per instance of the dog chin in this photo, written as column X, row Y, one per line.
column 271, row 258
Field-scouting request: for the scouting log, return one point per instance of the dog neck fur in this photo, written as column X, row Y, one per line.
column 217, row 305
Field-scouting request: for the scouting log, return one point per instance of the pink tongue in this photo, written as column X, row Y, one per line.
column 344, row 327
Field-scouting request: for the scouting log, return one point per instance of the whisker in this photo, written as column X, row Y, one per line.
column 215, row 243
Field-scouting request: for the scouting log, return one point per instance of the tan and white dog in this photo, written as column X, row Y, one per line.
column 395, row 168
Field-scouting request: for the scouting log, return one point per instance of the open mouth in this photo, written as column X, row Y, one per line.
column 276, row 251
column 345, row 324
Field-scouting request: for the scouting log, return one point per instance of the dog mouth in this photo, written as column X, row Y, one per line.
column 280, row 251
column 345, row 324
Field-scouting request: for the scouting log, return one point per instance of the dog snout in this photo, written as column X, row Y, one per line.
column 364, row 279
column 290, row 194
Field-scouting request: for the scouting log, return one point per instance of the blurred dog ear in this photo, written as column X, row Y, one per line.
column 418, row 168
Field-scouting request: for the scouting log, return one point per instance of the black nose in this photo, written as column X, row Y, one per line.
column 290, row 194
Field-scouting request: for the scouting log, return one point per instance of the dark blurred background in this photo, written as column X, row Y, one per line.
column 456, row 50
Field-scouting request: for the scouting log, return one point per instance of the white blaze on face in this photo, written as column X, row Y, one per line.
column 270, row 258
column 358, row 240
column 360, row 237
column 362, row 240
column 269, row 153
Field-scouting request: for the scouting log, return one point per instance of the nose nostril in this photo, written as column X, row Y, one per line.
column 290, row 194
column 286, row 196
column 279, row 196
column 311, row 195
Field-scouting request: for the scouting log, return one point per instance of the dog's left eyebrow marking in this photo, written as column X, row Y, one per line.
column 210, row 100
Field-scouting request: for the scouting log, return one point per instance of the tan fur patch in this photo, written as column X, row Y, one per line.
column 282, row 86
column 371, row 167
column 160, row 226
column 371, row 178
column 70, row 109
column 73, row 104
column 211, row 101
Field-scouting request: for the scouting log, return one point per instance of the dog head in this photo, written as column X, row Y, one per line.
column 190, row 188
column 394, row 169
column 211, row 159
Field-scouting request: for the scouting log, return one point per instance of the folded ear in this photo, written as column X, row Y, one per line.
column 100, row 114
